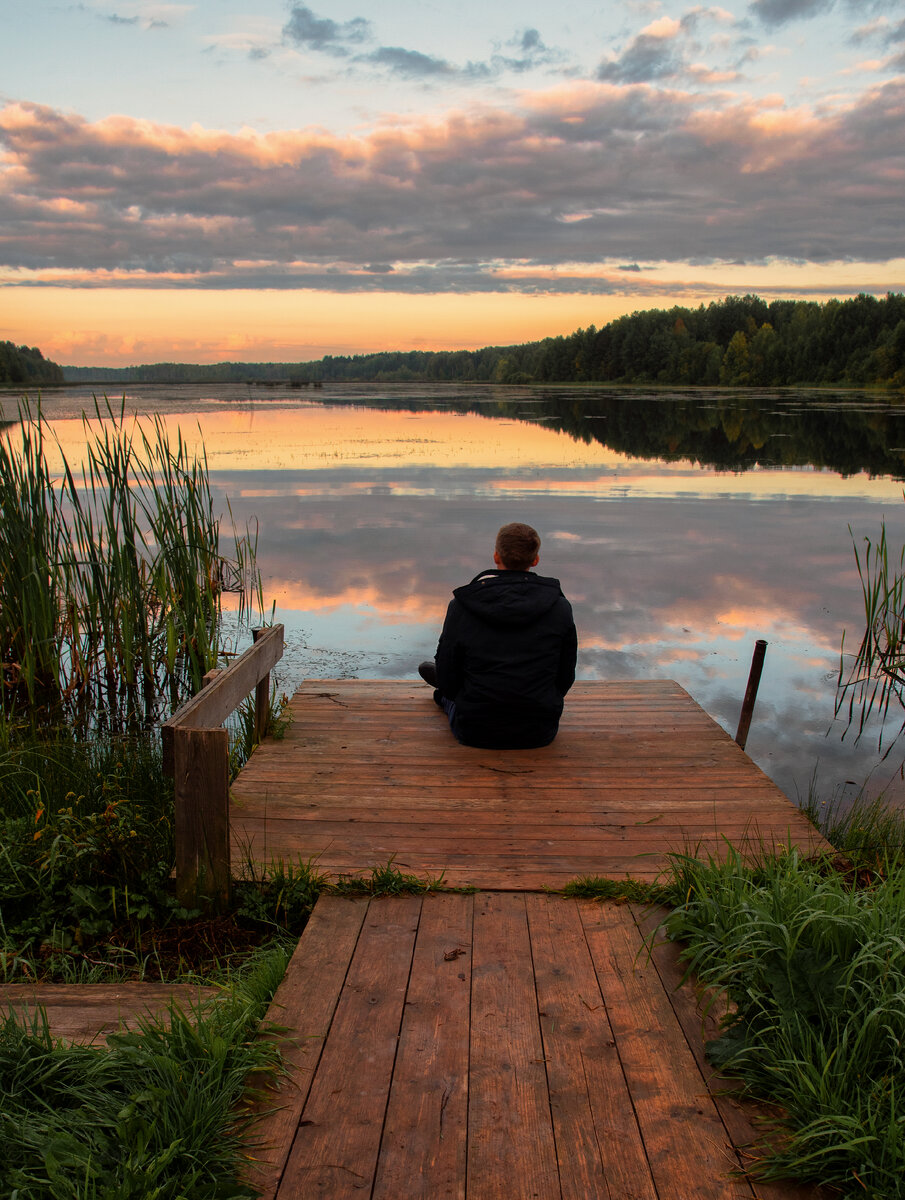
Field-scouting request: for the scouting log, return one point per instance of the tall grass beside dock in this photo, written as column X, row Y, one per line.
column 809, row 955
column 111, row 574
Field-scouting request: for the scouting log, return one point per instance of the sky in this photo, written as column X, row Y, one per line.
column 272, row 181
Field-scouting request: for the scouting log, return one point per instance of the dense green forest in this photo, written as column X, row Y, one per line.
column 19, row 364
column 739, row 341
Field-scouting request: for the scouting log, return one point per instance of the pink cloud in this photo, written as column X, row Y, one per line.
column 482, row 200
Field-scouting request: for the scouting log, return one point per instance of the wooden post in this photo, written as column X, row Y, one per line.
column 757, row 665
column 262, row 698
column 201, row 787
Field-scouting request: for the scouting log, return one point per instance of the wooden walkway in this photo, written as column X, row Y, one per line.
column 88, row 1012
column 498, row 1046
column 509, row 1044
column 369, row 770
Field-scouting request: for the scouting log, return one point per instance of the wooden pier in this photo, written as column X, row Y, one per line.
column 369, row 770
column 509, row 1044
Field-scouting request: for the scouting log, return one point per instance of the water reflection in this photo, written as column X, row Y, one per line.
column 683, row 528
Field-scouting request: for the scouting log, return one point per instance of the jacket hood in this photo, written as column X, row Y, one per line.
column 509, row 598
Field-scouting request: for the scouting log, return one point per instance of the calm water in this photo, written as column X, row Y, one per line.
column 683, row 526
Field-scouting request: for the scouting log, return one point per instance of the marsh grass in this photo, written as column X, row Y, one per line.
column 874, row 678
column 870, row 830
column 111, row 575
column 814, row 969
column 152, row 1117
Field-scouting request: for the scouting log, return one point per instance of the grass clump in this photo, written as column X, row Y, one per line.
column 870, row 831
column 628, row 891
column 152, row 1117
column 813, row 967
column 388, row 880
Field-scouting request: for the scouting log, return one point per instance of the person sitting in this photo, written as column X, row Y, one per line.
column 507, row 653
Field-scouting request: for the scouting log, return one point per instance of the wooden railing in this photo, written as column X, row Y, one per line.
column 196, row 755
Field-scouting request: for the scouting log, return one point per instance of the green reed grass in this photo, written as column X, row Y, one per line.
column 111, row 576
column 814, row 970
column 870, row 831
column 875, row 677
column 152, row 1117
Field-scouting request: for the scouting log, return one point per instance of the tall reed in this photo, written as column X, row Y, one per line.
column 875, row 676
column 111, row 576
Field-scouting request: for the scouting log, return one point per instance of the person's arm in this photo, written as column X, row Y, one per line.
column 450, row 675
column 568, row 658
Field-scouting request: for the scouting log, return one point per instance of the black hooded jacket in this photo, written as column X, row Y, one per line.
column 507, row 657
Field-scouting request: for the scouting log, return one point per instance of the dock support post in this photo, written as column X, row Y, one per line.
column 201, row 819
column 262, row 698
column 757, row 665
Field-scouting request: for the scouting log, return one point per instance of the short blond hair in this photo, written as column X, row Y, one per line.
column 518, row 546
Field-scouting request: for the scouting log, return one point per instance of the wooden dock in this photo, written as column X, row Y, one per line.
column 498, row 1046
column 369, row 771
column 509, row 1044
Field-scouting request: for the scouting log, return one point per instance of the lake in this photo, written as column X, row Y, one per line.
column 683, row 525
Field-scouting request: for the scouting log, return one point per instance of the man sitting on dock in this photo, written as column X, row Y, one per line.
column 506, row 655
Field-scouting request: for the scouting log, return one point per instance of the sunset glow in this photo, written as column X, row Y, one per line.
column 311, row 183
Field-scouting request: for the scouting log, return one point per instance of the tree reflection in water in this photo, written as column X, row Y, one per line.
column 683, row 524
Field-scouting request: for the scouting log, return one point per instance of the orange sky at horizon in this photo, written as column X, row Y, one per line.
column 119, row 326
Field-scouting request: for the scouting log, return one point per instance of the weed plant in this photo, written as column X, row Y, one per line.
column 86, row 847
column 152, row 1117
column 110, row 579
column 870, row 831
column 814, row 970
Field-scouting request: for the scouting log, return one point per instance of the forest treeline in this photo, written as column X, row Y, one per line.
column 24, row 364
column 740, row 341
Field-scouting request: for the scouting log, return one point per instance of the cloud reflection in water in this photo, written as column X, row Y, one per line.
column 368, row 519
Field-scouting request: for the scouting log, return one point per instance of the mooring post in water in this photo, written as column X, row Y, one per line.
column 757, row 665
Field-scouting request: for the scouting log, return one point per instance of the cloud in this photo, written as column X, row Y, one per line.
column 646, row 59
column 528, row 53
column 306, row 29
column 409, row 63
column 309, row 31
column 780, row 12
column 662, row 49
column 146, row 15
column 537, row 198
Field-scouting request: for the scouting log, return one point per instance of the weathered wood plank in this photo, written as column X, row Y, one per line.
column 699, row 1024
column 88, row 1012
column 423, row 1152
column 303, row 1006
column 599, row 1148
column 214, row 703
column 335, row 1150
column 511, row 1150
column 369, row 771
column 687, row 1146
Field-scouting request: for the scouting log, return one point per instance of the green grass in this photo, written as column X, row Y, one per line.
column 871, row 832
column 814, row 968
column 151, row 1118
column 632, row 891
column 111, row 576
